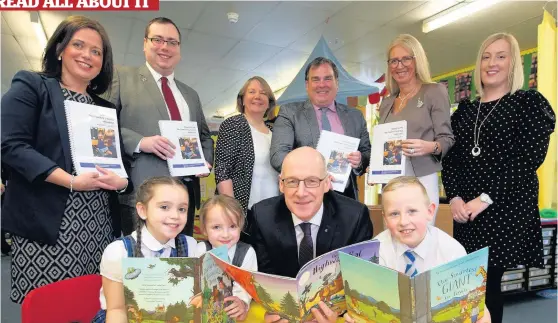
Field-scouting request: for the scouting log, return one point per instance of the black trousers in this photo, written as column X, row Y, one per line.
column 129, row 214
column 494, row 301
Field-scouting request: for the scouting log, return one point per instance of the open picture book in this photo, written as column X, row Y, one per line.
column 318, row 280
column 177, row 289
column 450, row 293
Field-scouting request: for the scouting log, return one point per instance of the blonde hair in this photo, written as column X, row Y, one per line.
column 515, row 76
column 403, row 181
column 268, row 92
column 422, row 68
column 230, row 207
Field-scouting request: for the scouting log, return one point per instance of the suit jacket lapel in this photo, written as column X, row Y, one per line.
column 344, row 118
column 327, row 228
column 150, row 85
column 57, row 101
column 388, row 102
column 312, row 122
column 285, row 232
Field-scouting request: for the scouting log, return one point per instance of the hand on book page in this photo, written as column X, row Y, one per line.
column 236, row 308
column 208, row 165
column 157, row 145
column 355, row 158
column 274, row 318
column 324, row 314
column 111, row 178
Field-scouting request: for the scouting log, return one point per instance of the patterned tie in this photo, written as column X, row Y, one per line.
column 169, row 99
column 306, row 249
column 410, row 270
column 325, row 121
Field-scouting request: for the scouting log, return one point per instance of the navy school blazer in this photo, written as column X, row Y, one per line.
column 35, row 142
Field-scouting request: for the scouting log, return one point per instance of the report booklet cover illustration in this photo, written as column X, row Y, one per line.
column 450, row 293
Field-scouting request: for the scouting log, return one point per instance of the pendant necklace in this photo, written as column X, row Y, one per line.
column 476, row 137
column 404, row 99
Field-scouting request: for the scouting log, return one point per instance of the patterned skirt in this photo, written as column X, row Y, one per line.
column 85, row 231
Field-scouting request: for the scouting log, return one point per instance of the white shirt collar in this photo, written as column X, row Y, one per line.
column 421, row 250
column 315, row 220
column 150, row 242
column 158, row 76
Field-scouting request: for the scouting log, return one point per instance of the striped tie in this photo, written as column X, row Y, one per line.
column 159, row 253
column 306, row 248
column 410, row 270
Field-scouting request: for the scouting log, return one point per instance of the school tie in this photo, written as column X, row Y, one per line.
column 169, row 99
column 159, row 253
column 306, row 248
column 325, row 121
column 410, row 258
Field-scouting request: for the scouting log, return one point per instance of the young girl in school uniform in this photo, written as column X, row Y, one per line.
column 221, row 219
column 162, row 207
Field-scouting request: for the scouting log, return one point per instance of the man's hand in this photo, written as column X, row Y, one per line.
column 355, row 158
column 157, row 145
column 208, row 165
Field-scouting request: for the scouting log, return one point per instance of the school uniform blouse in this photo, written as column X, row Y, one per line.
column 436, row 249
column 235, row 157
column 250, row 262
column 111, row 262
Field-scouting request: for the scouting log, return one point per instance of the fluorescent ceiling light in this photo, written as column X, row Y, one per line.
column 38, row 28
column 464, row 9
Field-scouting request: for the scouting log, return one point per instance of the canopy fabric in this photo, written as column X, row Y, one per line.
column 348, row 85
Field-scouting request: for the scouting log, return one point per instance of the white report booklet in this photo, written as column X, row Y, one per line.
column 386, row 158
column 336, row 148
column 188, row 155
column 94, row 138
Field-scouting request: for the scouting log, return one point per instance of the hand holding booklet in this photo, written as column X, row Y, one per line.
column 387, row 160
column 188, row 157
column 94, row 138
column 336, row 148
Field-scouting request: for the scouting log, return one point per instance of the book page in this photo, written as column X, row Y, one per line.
column 188, row 155
column 386, row 158
column 94, row 138
column 216, row 286
column 160, row 289
column 336, row 148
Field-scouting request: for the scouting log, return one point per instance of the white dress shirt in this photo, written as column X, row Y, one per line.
column 316, row 221
column 111, row 261
column 437, row 248
column 180, row 101
column 250, row 262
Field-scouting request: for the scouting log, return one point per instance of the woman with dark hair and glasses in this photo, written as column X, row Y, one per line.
column 60, row 221
column 424, row 105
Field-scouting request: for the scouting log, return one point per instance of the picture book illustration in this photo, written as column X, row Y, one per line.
column 189, row 148
column 450, row 293
column 338, row 162
column 94, row 138
column 293, row 298
column 393, row 152
column 216, row 286
column 169, row 289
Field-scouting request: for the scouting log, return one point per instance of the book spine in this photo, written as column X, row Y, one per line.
column 68, row 112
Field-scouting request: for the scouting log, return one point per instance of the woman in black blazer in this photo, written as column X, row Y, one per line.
column 60, row 220
column 242, row 167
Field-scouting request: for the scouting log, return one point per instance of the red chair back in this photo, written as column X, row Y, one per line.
column 66, row 301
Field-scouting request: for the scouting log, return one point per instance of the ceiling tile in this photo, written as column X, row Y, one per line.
column 183, row 13
column 247, row 55
column 284, row 66
column 217, row 80
column 190, row 72
column 5, row 28
column 214, row 18
column 136, row 36
column 51, row 20
column 19, row 22
column 371, row 44
column 205, row 49
column 30, row 46
column 287, row 23
column 421, row 12
column 377, row 13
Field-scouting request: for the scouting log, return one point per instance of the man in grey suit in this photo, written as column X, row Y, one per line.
column 149, row 93
column 299, row 124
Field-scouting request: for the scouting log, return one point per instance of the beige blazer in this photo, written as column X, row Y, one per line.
column 428, row 118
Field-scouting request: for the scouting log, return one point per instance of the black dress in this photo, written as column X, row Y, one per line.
column 514, row 140
column 85, row 232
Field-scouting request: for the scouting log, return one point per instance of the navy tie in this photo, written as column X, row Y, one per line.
column 306, row 249
column 325, row 121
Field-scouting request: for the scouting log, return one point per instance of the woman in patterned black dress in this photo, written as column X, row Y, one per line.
column 490, row 173
column 60, row 220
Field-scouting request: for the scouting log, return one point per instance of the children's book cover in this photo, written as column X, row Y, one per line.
column 319, row 280
column 161, row 290
column 216, row 286
column 450, row 293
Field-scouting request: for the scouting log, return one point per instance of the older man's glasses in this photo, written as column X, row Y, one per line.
column 309, row 182
column 405, row 61
column 160, row 42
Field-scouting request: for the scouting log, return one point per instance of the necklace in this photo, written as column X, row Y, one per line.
column 402, row 100
column 476, row 137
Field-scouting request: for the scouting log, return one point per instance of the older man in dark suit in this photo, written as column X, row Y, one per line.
column 306, row 221
column 299, row 124
column 150, row 93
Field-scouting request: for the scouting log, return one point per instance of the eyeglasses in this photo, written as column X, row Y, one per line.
column 310, row 182
column 405, row 60
column 160, row 42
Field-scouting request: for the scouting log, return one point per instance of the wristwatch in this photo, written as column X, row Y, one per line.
column 485, row 198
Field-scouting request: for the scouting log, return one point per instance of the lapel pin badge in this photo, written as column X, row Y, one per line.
column 420, row 103
column 143, row 79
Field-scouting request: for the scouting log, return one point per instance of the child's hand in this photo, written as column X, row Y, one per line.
column 237, row 308
column 324, row 314
column 273, row 318
column 348, row 318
